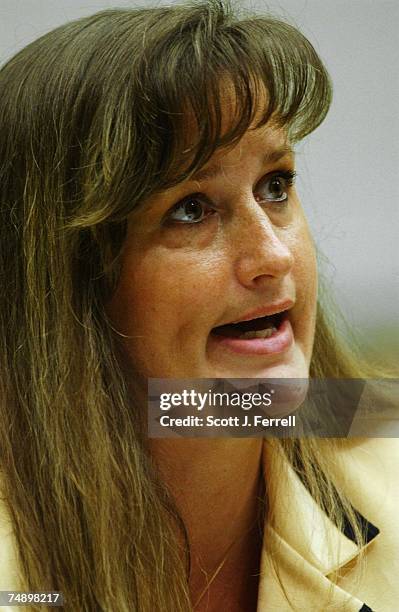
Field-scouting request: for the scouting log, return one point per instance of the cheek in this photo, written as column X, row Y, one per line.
column 306, row 275
column 164, row 293
column 306, row 281
column 304, row 251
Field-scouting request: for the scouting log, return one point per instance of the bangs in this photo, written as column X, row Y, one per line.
column 180, row 82
column 219, row 83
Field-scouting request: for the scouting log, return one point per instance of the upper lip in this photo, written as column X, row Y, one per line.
column 264, row 311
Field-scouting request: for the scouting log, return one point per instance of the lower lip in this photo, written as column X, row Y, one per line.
column 279, row 342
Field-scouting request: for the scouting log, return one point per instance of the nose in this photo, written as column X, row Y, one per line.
column 262, row 251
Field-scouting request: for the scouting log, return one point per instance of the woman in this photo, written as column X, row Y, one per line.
column 148, row 203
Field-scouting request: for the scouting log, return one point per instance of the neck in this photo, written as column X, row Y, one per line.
column 216, row 486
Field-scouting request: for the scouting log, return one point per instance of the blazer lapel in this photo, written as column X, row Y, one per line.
column 302, row 549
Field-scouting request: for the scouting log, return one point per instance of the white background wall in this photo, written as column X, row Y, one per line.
column 349, row 169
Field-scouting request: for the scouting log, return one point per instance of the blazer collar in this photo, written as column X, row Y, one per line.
column 304, row 526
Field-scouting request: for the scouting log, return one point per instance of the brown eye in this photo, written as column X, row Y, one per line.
column 193, row 209
column 275, row 188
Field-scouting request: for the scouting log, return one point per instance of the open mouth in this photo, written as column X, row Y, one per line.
column 262, row 327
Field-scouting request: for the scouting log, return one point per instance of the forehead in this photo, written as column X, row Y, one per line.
column 232, row 119
column 227, row 106
column 268, row 143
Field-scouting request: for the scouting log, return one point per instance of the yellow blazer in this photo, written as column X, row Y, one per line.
column 298, row 545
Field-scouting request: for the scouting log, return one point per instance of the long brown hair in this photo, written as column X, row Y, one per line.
column 92, row 120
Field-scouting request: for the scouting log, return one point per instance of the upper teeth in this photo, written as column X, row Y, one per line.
column 261, row 333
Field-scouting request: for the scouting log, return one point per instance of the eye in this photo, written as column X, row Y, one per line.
column 193, row 209
column 275, row 188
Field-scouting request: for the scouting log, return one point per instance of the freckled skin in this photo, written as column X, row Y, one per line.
column 178, row 281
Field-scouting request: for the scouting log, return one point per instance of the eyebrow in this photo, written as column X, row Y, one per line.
column 270, row 157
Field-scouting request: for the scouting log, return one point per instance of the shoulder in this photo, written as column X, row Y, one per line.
column 307, row 548
column 370, row 477
column 371, row 482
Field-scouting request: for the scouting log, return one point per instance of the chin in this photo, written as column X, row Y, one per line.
column 288, row 381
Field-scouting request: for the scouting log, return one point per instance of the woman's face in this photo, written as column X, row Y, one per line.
column 229, row 245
